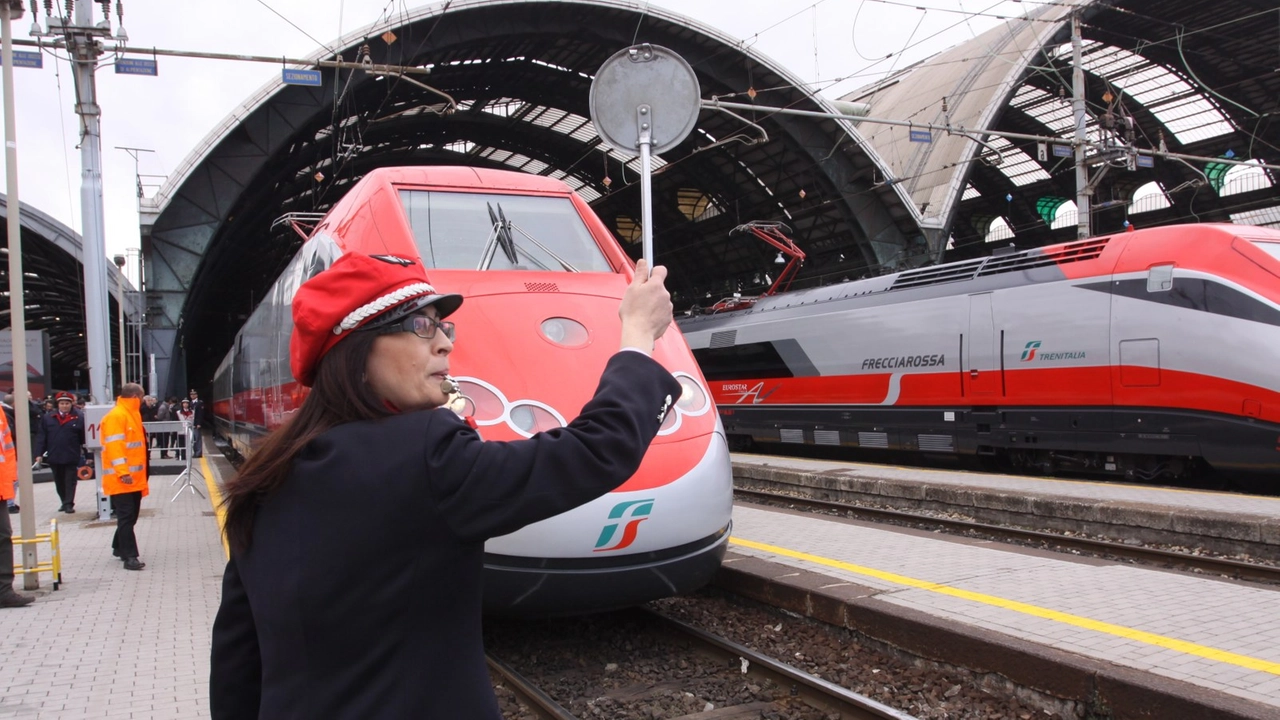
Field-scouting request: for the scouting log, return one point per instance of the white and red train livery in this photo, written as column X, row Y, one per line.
column 1149, row 354
column 542, row 278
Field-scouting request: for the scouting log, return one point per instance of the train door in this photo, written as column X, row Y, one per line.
column 982, row 356
column 272, row 401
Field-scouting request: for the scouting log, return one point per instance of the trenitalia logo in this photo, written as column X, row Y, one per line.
column 637, row 511
column 1029, row 354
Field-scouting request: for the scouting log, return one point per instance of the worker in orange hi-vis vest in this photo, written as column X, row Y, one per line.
column 124, row 470
column 8, row 476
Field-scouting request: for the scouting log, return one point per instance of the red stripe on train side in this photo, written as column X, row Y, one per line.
column 1097, row 386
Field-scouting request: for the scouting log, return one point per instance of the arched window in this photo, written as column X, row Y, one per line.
column 628, row 228
column 1147, row 198
column 998, row 230
column 1243, row 179
column 1057, row 212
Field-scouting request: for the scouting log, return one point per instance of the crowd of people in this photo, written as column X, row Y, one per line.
column 57, row 439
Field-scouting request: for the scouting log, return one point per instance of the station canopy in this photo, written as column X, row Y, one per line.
column 509, row 88
column 53, row 300
column 1198, row 78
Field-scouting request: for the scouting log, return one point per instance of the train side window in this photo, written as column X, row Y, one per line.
column 1160, row 278
column 320, row 252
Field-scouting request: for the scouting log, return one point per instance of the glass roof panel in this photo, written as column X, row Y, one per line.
column 1264, row 217
column 1018, row 165
column 970, row 192
column 1054, row 112
column 1183, row 109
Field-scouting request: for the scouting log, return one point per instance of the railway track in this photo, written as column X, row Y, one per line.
column 530, row 695
column 813, row 690
column 1155, row 556
column 692, row 645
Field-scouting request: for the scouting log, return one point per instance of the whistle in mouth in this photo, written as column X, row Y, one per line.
column 449, row 386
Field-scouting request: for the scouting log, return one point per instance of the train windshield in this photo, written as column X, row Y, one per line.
column 478, row 231
column 1270, row 248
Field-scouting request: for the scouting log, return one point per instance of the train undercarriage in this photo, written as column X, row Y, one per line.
column 1139, row 445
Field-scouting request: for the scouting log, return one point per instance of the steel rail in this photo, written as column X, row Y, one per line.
column 810, row 688
column 1231, row 568
column 537, row 701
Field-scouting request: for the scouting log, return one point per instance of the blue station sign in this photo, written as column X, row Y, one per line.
column 136, row 66
column 310, row 78
column 28, row 59
column 921, row 136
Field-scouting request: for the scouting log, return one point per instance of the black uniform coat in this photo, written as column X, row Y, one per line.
column 61, row 441
column 360, row 595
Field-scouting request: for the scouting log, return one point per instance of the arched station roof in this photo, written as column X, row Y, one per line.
column 1197, row 78
column 53, row 293
column 520, row 73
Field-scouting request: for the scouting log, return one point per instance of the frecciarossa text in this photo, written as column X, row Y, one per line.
column 888, row 363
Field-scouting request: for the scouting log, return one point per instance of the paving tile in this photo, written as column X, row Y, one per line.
column 1096, row 600
column 112, row 643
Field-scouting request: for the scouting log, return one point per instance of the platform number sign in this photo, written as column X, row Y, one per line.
column 93, row 415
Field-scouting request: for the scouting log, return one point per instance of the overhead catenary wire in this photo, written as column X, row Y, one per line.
column 295, row 26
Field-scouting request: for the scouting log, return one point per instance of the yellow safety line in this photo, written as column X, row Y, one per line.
column 1169, row 643
column 215, row 498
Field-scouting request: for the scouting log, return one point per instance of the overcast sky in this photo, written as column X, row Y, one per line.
column 172, row 113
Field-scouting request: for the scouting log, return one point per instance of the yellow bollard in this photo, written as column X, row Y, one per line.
column 54, row 566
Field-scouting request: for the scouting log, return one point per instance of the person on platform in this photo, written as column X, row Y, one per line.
column 60, row 445
column 185, row 415
column 148, row 410
column 9, row 598
column 164, row 413
column 6, row 403
column 197, row 414
column 124, row 470
column 357, row 529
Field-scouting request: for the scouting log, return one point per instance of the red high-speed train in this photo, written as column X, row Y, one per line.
column 542, row 277
column 1148, row 354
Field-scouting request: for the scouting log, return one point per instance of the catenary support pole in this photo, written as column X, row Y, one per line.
column 11, row 10
column 84, row 55
column 1083, row 229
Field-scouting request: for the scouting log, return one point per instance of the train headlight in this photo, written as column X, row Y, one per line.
column 693, row 401
column 489, row 406
column 528, row 418
column 565, row 332
column 486, row 405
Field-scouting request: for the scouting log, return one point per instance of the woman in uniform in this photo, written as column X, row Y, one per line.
column 357, row 530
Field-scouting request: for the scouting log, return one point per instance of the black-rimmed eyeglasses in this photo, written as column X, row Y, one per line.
column 424, row 326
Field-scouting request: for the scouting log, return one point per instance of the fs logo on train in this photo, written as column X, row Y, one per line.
column 634, row 512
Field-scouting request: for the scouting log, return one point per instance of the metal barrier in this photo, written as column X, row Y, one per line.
column 54, row 565
column 186, row 433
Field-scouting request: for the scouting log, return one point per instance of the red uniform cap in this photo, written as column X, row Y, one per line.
column 357, row 291
column 64, row 395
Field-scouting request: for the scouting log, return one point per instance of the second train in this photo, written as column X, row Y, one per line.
column 1151, row 355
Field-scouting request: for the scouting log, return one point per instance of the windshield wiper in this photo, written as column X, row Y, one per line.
column 501, row 236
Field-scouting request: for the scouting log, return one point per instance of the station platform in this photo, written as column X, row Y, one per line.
column 111, row 643
column 1223, row 522
column 1065, row 625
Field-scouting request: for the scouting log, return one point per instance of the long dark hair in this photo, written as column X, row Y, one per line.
column 338, row 395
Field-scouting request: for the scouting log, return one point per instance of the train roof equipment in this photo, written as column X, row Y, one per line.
column 773, row 233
